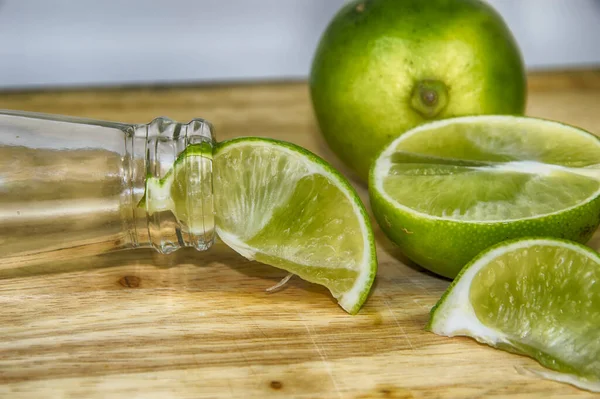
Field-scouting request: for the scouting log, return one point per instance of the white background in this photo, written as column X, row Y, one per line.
column 109, row 42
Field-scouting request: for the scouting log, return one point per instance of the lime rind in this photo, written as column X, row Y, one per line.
column 352, row 299
column 454, row 314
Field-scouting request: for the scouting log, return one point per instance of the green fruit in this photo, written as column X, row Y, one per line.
column 281, row 205
column 278, row 204
column 536, row 297
column 447, row 190
column 385, row 66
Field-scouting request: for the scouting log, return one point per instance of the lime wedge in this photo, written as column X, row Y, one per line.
column 535, row 297
column 282, row 205
column 447, row 190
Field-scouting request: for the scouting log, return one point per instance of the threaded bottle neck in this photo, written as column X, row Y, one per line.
column 168, row 171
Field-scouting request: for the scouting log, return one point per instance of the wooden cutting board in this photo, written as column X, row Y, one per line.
column 200, row 325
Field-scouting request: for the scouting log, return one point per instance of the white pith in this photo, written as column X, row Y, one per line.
column 349, row 298
column 455, row 315
column 239, row 246
column 383, row 165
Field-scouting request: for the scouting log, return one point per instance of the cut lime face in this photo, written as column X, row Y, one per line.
column 282, row 205
column 472, row 182
column 186, row 191
column 535, row 297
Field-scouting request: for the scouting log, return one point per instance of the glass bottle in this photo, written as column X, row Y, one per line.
column 76, row 185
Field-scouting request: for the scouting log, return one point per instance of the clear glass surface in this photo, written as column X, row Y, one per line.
column 75, row 185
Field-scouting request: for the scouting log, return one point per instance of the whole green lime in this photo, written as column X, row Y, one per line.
column 385, row 66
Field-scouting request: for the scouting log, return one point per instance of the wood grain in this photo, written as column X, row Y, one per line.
column 200, row 325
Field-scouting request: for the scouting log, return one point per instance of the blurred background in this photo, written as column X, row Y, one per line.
column 115, row 42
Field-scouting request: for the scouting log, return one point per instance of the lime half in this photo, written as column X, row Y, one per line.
column 282, row 205
column 447, row 190
column 535, row 297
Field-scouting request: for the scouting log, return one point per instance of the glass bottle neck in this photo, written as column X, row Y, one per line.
column 79, row 186
column 183, row 183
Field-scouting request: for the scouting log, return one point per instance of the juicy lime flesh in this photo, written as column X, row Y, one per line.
column 547, row 300
column 192, row 191
column 252, row 183
column 289, row 214
column 185, row 190
column 311, row 217
column 498, row 140
column 488, row 172
column 482, row 194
